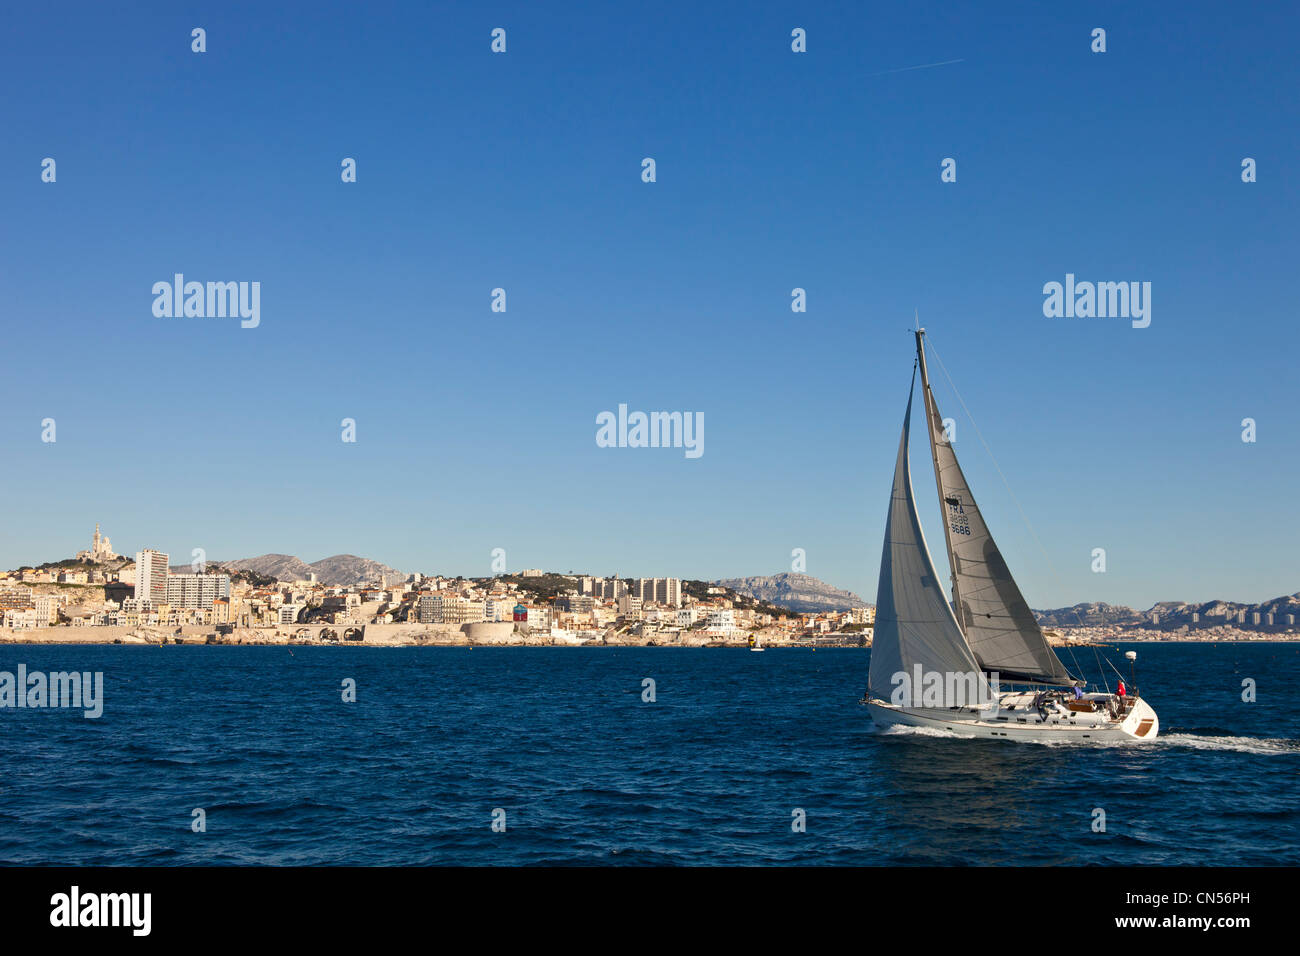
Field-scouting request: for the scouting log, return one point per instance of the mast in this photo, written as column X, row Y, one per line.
column 931, row 412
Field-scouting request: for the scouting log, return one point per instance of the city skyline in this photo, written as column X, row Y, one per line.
column 577, row 572
column 820, row 171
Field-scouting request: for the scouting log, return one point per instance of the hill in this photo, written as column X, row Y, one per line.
column 340, row 569
column 796, row 592
column 1171, row 613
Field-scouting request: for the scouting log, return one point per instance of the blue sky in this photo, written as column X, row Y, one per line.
column 775, row 170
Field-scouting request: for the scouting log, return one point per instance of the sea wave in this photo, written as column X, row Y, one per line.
column 1249, row 745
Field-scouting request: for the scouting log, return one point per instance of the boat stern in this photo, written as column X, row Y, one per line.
column 1141, row 723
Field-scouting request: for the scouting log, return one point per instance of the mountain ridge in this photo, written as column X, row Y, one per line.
column 340, row 570
column 795, row 592
column 1170, row 612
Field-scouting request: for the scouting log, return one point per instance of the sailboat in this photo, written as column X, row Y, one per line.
column 941, row 665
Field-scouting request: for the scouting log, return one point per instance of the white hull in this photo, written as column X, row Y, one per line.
column 1139, row 724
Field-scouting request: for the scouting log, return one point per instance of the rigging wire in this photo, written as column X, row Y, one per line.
column 1078, row 667
column 1117, row 673
column 1102, row 669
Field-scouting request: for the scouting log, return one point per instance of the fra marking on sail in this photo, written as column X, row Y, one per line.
column 958, row 523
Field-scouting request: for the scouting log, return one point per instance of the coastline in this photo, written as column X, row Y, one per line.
column 481, row 634
column 450, row 636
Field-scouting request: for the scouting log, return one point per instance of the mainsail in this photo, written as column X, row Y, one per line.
column 997, row 622
column 915, row 626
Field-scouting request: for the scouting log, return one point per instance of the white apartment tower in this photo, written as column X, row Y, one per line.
column 608, row 589
column 665, row 591
column 151, row 576
column 197, row 590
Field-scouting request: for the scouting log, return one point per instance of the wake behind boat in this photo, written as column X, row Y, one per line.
column 940, row 665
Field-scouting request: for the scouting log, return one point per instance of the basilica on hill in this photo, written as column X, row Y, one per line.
column 101, row 549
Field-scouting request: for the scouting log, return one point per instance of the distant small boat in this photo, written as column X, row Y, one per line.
column 756, row 645
column 938, row 665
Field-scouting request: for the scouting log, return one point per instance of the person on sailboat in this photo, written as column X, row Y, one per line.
column 1078, row 691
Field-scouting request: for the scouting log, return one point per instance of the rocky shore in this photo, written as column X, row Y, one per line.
column 502, row 633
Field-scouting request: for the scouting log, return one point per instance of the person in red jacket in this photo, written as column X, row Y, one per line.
column 1121, row 694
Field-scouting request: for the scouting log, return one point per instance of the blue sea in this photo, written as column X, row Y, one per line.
column 585, row 771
